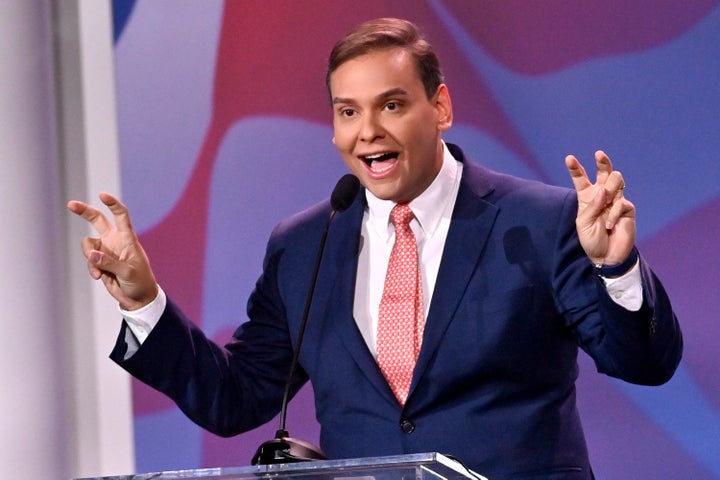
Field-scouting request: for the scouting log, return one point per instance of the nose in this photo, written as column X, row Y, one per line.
column 371, row 128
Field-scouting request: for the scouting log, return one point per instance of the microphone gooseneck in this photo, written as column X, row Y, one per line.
column 283, row 448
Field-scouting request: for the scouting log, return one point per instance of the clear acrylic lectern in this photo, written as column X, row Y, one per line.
column 419, row 466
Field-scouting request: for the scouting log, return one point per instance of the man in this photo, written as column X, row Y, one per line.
column 475, row 356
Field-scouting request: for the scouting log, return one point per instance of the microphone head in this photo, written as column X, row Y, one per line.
column 344, row 192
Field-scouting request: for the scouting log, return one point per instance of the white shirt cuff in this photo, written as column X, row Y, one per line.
column 626, row 290
column 143, row 320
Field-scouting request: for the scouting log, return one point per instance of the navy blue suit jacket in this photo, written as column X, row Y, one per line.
column 495, row 380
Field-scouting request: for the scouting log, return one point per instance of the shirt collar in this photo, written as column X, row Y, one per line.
column 428, row 207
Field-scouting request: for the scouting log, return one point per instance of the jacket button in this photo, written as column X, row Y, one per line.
column 407, row 426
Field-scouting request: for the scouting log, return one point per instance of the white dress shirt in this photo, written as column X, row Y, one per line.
column 433, row 210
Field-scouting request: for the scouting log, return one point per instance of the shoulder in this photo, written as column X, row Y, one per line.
column 508, row 191
column 304, row 225
column 494, row 186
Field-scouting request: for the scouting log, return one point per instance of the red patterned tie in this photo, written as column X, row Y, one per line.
column 401, row 320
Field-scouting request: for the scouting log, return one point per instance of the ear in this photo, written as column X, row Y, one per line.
column 443, row 107
column 333, row 140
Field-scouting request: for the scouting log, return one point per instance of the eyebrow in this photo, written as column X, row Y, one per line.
column 389, row 93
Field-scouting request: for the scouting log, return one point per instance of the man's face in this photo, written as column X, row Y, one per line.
column 386, row 129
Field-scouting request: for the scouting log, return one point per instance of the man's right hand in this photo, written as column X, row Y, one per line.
column 116, row 256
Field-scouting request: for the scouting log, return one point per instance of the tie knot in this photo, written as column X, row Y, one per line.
column 401, row 215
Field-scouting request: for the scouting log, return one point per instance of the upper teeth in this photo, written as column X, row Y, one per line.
column 374, row 156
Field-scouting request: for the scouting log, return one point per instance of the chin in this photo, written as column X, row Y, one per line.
column 385, row 189
column 391, row 196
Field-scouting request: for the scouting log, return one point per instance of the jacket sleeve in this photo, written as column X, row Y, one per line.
column 224, row 389
column 643, row 347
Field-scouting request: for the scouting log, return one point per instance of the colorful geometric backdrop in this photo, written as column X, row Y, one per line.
column 225, row 129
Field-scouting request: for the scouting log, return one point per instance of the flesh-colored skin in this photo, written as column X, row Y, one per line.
column 380, row 107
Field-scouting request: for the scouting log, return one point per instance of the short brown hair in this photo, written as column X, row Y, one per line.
column 387, row 33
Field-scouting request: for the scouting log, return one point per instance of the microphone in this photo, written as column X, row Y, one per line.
column 283, row 448
column 344, row 193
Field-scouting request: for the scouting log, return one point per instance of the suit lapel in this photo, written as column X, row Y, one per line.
column 471, row 224
column 339, row 272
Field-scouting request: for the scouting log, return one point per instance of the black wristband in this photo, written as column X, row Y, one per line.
column 610, row 271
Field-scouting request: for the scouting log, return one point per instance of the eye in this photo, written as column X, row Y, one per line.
column 347, row 112
column 392, row 106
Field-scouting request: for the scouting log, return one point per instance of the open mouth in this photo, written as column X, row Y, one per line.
column 379, row 162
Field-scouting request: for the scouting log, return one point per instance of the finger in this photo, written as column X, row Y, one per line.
column 615, row 184
column 620, row 209
column 604, row 167
column 119, row 211
column 593, row 210
column 108, row 281
column 95, row 273
column 577, row 173
column 88, row 244
column 76, row 206
column 94, row 258
column 94, row 216
column 104, row 263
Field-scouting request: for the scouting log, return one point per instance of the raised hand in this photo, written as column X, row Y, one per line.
column 116, row 256
column 606, row 219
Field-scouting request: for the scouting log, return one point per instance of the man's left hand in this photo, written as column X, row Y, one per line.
column 606, row 219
